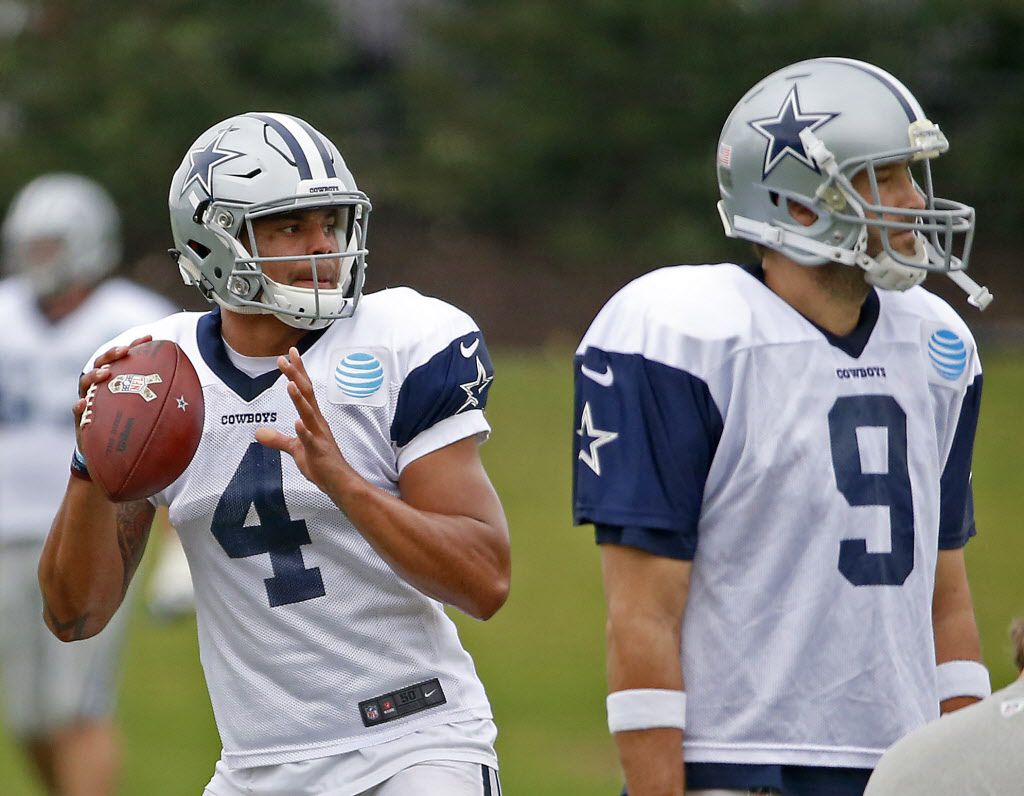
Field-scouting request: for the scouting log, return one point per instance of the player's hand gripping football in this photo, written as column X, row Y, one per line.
column 313, row 447
column 99, row 373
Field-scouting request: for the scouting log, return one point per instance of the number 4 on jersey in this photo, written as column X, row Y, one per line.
column 258, row 483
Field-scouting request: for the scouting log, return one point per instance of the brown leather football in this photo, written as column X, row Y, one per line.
column 142, row 426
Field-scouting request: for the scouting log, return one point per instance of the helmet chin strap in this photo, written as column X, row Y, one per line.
column 977, row 296
column 303, row 300
column 888, row 274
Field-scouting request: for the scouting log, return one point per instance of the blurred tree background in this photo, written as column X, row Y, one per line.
column 517, row 153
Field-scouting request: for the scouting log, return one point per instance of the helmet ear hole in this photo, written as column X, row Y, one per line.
column 199, row 249
column 801, row 213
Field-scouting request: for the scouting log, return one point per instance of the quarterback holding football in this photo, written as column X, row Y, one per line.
column 337, row 499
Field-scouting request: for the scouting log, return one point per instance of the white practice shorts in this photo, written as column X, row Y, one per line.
column 429, row 778
column 454, row 759
column 48, row 684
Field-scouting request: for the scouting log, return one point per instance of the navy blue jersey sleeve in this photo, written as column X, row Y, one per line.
column 956, row 503
column 645, row 435
column 456, row 379
column 656, row 541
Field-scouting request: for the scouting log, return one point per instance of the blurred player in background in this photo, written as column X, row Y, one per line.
column 337, row 499
column 777, row 457
column 61, row 239
column 170, row 594
column 974, row 751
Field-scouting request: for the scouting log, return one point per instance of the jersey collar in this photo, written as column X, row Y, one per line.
column 852, row 344
column 215, row 355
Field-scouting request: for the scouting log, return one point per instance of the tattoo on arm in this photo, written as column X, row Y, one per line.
column 72, row 629
column 133, row 522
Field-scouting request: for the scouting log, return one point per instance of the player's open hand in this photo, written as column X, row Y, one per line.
column 100, row 373
column 313, row 447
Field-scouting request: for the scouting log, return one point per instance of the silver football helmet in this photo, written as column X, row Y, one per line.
column 248, row 167
column 801, row 134
column 61, row 230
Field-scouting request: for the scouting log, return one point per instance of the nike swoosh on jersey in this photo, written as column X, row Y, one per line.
column 469, row 350
column 604, row 379
column 429, row 693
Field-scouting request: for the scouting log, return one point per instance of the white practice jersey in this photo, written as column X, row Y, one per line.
column 812, row 481
column 311, row 645
column 40, row 363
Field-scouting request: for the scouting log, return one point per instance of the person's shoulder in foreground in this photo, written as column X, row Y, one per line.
column 974, row 751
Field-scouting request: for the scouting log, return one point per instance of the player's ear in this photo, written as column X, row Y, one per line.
column 803, row 215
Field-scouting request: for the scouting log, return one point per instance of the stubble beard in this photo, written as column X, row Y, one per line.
column 844, row 283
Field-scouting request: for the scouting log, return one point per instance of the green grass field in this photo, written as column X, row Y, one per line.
column 542, row 656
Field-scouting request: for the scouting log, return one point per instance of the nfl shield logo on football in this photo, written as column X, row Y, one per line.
column 135, row 383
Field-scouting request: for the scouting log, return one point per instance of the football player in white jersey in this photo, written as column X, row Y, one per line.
column 337, row 500
column 776, row 458
column 61, row 239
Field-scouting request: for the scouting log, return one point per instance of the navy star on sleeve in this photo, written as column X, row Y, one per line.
column 644, row 438
column 455, row 380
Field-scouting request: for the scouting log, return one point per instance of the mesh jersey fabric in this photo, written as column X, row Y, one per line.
column 299, row 619
column 811, row 481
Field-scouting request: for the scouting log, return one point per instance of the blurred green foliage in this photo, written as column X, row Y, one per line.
column 579, row 130
column 589, row 124
column 119, row 90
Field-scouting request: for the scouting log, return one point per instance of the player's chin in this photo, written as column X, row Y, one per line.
column 902, row 243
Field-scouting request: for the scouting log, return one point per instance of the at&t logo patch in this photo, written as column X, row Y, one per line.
column 359, row 377
column 948, row 354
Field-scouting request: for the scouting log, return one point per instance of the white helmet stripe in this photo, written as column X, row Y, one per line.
column 318, row 141
column 909, row 102
column 308, row 156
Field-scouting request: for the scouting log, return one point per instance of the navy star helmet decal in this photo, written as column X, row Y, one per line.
column 202, row 162
column 783, row 132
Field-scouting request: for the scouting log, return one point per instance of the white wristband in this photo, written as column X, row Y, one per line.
column 962, row 679
column 646, row 709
